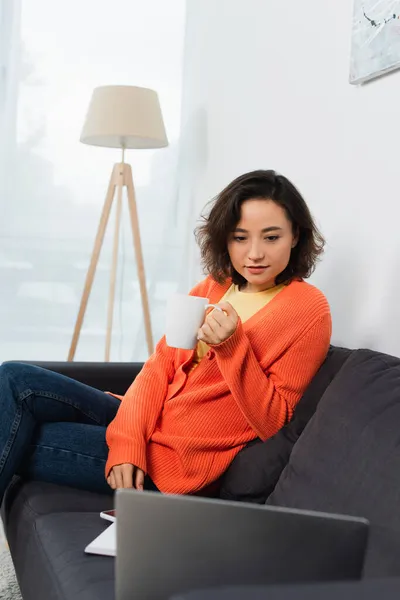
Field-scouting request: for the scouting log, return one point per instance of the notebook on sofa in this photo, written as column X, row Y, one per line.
column 105, row 543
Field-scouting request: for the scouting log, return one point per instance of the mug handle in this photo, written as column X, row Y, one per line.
column 214, row 306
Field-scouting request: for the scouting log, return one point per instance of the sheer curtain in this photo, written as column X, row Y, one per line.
column 52, row 55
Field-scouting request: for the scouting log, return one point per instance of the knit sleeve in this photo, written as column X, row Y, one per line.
column 128, row 434
column 267, row 399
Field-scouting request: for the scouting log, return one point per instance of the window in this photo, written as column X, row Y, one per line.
column 52, row 187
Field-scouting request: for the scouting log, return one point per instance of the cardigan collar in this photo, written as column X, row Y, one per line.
column 217, row 291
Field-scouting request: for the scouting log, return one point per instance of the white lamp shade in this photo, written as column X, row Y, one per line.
column 121, row 116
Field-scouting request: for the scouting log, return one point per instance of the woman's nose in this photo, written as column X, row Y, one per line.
column 256, row 252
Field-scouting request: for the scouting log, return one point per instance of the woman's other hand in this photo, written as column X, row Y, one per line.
column 219, row 325
column 126, row 476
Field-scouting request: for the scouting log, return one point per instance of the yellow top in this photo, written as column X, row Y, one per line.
column 246, row 305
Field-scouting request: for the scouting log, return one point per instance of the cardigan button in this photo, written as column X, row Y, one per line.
column 210, row 354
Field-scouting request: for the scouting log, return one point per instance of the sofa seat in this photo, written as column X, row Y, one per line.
column 48, row 527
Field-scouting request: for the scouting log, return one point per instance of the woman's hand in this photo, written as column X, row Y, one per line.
column 219, row 325
column 126, row 476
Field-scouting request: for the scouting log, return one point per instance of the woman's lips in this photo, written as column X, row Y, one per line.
column 256, row 270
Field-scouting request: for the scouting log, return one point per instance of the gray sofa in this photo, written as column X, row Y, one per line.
column 341, row 453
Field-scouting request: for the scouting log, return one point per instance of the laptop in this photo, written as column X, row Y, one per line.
column 169, row 545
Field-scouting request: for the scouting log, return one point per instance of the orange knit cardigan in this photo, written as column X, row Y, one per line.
column 185, row 430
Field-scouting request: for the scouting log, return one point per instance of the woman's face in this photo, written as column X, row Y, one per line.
column 260, row 245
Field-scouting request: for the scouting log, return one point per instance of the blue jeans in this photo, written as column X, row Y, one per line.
column 52, row 428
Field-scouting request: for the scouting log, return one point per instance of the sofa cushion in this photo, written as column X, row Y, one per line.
column 255, row 471
column 62, row 538
column 40, row 498
column 48, row 527
column 348, row 459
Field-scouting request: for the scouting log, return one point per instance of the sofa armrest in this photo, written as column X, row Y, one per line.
column 112, row 377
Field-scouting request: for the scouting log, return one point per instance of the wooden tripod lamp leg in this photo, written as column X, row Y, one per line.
column 94, row 260
column 139, row 256
column 113, row 275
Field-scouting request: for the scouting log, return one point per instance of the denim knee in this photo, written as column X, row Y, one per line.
column 10, row 369
column 14, row 371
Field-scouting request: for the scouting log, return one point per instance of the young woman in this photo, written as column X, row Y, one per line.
column 188, row 413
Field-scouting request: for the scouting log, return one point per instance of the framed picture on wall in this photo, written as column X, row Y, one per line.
column 375, row 48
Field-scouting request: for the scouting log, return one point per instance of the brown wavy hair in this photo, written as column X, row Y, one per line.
column 213, row 233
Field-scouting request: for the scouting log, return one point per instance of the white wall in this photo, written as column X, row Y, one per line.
column 266, row 86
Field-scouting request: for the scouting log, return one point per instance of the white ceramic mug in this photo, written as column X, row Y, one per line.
column 185, row 316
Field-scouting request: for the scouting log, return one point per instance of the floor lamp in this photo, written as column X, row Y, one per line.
column 120, row 117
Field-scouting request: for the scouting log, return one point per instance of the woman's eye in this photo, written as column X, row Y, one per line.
column 272, row 238
column 239, row 238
